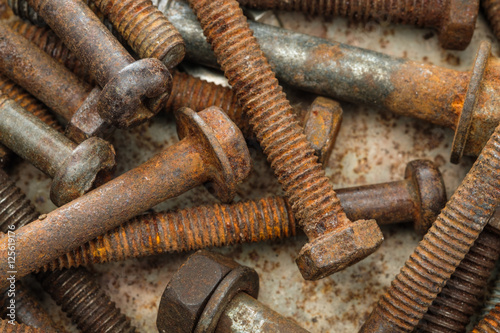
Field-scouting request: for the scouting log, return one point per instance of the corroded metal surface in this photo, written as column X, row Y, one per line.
column 454, row 20
column 490, row 323
column 5, row 327
column 492, row 9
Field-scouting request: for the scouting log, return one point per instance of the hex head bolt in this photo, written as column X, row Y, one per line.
column 75, row 169
column 76, row 290
column 467, row 102
column 211, row 293
column 335, row 242
column 443, row 247
column 418, row 198
column 133, row 91
column 6, row 327
column 492, row 8
column 454, row 20
column 212, row 150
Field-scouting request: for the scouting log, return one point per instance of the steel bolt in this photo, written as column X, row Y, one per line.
column 467, row 102
column 444, row 246
column 75, row 169
column 212, row 150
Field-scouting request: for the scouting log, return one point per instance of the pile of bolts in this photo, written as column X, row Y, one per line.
column 74, row 71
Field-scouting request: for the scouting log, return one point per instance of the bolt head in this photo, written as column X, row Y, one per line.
column 458, row 24
column 336, row 250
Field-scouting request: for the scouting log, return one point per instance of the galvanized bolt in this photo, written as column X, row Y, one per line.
column 443, row 247
column 212, row 150
column 464, row 101
column 455, row 20
column 81, row 297
column 75, row 169
column 418, row 198
column 492, row 9
column 335, row 241
column 212, row 293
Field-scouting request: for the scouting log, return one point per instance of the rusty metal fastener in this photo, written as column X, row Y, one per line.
column 212, row 293
column 335, row 241
column 467, row 102
column 455, row 20
column 83, row 300
column 5, row 327
column 490, row 323
column 212, row 150
column 492, row 9
column 418, row 198
column 443, row 247
column 75, row 169
column 22, row 9
column 451, row 311
column 133, row 91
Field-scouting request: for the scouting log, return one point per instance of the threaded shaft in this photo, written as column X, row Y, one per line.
column 5, row 327
column 310, row 193
column 452, row 309
column 25, row 11
column 186, row 230
column 492, row 9
column 490, row 323
column 78, row 294
column 443, row 247
column 145, row 28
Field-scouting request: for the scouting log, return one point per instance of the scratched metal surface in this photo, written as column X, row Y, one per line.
column 373, row 146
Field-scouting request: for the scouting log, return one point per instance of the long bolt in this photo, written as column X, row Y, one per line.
column 443, row 247
column 75, row 169
column 418, row 198
column 439, row 95
column 125, row 82
column 335, row 242
column 490, row 323
column 492, row 9
column 451, row 311
column 82, row 299
column 455, row 21
column 212, row 150
column 6, row 327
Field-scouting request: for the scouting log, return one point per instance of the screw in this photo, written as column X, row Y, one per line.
column 125, row 83
column 455, row 20
column 309, row 191
column 431, row 93
column 5, row 327
column 452, row 309
column 212, row 150
column 81, row 297
column 75, row 169
column 443, row 247
column 492, row 7
column 418, row 198
column 212, row 293
column 490, row 323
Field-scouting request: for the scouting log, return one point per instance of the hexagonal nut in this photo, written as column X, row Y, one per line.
column 339, row 249
column 189, row 290
column 458, row 25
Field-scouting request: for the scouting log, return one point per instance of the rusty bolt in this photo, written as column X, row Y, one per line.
column 490, row 323
column 6, row 327
column 75, row 169
column 125, row 82
column 467, row 102
column 455, row 20
column 212, row 151
column 81, row 297
column 492, row 9
column 212, row 293
column 23, row 10
column 335, row 241
column 418, row 198
column 443, row 247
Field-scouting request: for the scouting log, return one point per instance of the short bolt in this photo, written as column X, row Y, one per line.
column 212, row 150
column 75, row 169
column 418, row 198
column 444, row 246
column 464, row 101
column 492, row 9
column 455, row 20
column 126, row 83
column 211, row 293
column 335, row 241
column 81, row 297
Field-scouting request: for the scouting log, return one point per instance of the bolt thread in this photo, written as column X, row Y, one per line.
column 444, row 246
column 186, row 230
column 492, row 9
column 26, row 12
column 493, row 297
column 420, row 12
column 490, row 323
column 309, row 191
column 77, row 293
column 146, row 29
column 451, row 311
column 49, row 42
column 5, row 327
